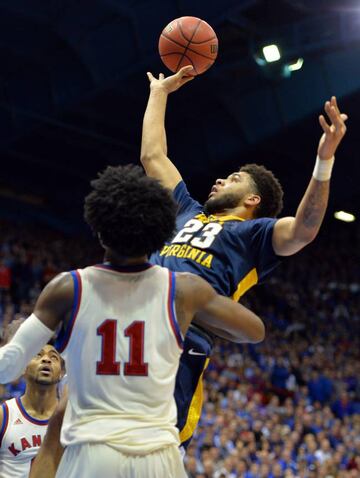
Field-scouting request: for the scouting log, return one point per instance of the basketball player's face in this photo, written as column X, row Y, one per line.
column 228, row 193
column 45, row 368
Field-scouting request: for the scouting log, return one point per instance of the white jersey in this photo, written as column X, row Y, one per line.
column 122, row 347
column 21, row 436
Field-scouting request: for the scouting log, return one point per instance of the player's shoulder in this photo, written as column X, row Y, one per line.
column 6, row 403
column 4, row 411
column 192, row 291
column 58, row 293
column 261, row 221
column 258, row 224
column 61, row 280
column 191, row 283
column 60, row 286
column 185, row 201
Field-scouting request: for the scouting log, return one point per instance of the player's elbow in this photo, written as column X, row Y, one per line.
column 260, row 332
column 257, row 334
column 293, row 246
column 253, row 335
column 151, row 155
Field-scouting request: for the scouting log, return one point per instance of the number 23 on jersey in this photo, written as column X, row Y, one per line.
column 204, row 240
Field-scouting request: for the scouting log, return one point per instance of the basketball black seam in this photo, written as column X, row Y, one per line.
column 174, row 41
column 189, row 41
column 171, row 53
column 195, row 42
column 190, row 60
column 188, row 48
column 182, row 33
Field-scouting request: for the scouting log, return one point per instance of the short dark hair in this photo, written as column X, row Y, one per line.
column 269, row 189
column 133, row 214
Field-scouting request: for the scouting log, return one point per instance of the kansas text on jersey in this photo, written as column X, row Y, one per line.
column 20, row 438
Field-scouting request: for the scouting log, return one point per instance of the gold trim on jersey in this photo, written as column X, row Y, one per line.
column 245, row 284
column 206, row 219
column 194, row 409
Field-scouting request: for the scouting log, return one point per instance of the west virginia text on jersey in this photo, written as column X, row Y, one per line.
column 230, row 253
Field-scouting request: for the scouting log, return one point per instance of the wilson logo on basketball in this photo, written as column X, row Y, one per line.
column 214, row 48
column 169, row 28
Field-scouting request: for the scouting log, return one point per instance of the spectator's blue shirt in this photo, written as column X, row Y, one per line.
column 279, row 376
column 320, row 389
column 231, row 253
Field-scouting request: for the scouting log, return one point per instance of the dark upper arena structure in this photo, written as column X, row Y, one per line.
column 74, row 88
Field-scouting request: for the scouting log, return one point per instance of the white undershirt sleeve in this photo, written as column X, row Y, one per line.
column 28, row 340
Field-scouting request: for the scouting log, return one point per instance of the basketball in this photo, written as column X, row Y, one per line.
column 188, row 41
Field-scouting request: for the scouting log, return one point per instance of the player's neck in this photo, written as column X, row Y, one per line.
column 117, row 260
column 40, row 400
column 241, row 211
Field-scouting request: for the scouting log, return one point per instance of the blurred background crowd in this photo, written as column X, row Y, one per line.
column 286, row 408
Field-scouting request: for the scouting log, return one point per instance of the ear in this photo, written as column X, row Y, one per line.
column 252, row 200
column 62, row 373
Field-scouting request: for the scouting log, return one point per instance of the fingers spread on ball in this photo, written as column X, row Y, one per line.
column 324, row 125
column 185, row 70
column 150, row 76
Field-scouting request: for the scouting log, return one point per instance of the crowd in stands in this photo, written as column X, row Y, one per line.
column 290, row 406
column 30, row 258
column 286, row 408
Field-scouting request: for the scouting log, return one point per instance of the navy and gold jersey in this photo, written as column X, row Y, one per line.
column 232, row 255
column 228, row 252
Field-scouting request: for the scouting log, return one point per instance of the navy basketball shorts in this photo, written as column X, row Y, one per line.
column 189, row 388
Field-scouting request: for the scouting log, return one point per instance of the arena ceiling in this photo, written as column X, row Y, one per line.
column 73, row 90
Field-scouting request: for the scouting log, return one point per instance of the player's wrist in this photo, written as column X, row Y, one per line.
column 159, row 90
column 323, row 168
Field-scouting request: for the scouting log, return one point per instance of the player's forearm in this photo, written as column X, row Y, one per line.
column 223, row 334
column 311, row 211
column 235, row 320
column 291, row 234
column 153, row 143
column 26, row 343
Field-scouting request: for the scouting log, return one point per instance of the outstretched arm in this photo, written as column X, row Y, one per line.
column 47, row 460
column 293, row 233
column 53, row 305
column 229, row 319
column 153, row 144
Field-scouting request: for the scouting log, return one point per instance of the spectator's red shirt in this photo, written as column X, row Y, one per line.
column 5, row 277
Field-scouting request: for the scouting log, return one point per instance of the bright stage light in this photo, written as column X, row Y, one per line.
column 344, row 216
column 297, row 65
column 271, row 53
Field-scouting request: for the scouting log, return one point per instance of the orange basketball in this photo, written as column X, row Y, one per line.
column 188, row 41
